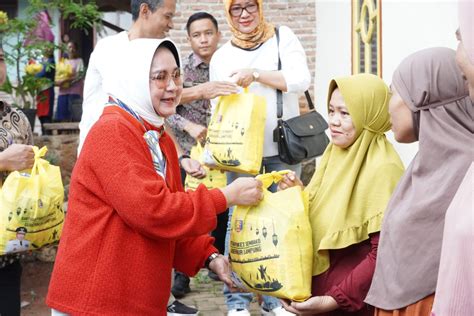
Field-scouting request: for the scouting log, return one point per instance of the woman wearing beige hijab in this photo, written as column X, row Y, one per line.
column 250, row 59
column 430, row 103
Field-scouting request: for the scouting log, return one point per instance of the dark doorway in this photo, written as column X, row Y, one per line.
column 84, row 40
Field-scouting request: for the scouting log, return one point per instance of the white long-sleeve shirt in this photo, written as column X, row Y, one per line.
column 104, row 66
column 294, row 68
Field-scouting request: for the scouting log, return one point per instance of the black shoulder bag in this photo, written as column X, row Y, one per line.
column 300, row 137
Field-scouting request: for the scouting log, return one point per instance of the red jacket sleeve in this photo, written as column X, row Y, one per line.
column 351, row 292
column 191, row 254
column 123, row 174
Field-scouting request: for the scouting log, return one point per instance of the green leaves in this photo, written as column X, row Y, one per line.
column 20, row 44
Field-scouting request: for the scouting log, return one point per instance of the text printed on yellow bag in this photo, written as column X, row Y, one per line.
column 235, row 134
column 271, row 243
column 214, row 179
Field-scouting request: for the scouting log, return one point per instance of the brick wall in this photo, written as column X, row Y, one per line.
column 299, row 15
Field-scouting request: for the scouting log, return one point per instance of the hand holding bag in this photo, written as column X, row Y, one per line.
column 300, row 137
column 31, row 205
column 234, row 139
column 215, row 179
column 271, row 245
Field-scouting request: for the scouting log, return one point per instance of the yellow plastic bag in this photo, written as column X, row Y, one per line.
column 271, row 248
column 31, row 207
column 63, row 70
column 214, row 179
column 235, row 133
column 33, row 67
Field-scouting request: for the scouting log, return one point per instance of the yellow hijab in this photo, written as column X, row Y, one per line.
column 259, row 35
column 351, row 188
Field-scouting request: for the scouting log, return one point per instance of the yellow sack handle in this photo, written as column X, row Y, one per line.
column 245, row 90
column 272, row 177
column 39, row 154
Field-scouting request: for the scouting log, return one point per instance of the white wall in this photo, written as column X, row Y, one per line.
column 119, row 18
column 333, row 46
column 407, row 26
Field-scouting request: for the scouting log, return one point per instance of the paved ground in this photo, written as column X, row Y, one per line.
column 206, row 294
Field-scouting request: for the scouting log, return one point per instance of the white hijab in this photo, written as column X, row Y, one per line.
column 132, row 86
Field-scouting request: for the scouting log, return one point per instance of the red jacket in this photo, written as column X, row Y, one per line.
column 126, row 227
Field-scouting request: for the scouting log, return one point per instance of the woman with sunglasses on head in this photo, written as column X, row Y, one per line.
column 250, row 59
column 129, row 221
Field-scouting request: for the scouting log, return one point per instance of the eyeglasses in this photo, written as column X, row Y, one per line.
column 163, row 78
column 237, row 10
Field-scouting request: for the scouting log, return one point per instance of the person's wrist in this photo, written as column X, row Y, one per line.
column 201, row 94
column 227, row 191
column 186, row 127
column 180, row 159
column 255, row 75
column 211, row 258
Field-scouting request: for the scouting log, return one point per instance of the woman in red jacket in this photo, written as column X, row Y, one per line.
column 129, row 221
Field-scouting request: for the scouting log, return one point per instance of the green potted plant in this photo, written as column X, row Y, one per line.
column 22, row 49
column 25, row 86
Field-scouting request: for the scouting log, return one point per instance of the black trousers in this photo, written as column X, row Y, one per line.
column 10, row 282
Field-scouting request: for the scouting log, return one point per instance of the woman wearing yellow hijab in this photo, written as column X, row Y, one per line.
column 250, row 59
column 348, row 196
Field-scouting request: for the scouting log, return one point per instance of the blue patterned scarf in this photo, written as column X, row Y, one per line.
column 152, row 139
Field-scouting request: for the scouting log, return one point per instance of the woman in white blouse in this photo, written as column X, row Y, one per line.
column 250, row 59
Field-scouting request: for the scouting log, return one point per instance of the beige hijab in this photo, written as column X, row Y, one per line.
column 263, row 32
column 410, row 245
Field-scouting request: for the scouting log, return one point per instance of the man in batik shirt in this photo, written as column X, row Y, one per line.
column 189, row 124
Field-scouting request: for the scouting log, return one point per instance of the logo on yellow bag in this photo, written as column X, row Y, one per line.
column 270, row 248
column 239, row 224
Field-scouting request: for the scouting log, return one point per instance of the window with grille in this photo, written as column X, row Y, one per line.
column 366, row 37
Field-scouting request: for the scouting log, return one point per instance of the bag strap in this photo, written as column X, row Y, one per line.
column 308, row 99
column 279, row 93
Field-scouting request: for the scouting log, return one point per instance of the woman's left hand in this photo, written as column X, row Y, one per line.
column 193, row 168
column 289, row 180
column 243, row 77
column 314, row 305
column 221, row 267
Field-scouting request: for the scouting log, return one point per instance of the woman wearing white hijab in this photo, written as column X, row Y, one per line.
column 128, row 217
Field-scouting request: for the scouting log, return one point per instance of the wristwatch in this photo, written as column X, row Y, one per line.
column 255, row 75
column 210, row 258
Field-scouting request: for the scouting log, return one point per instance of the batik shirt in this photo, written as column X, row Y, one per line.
column 14, row 129
column 199, row 111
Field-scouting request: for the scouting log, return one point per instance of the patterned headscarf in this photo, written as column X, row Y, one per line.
column 259, row 35
column 352, row 186
column 431, row 85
